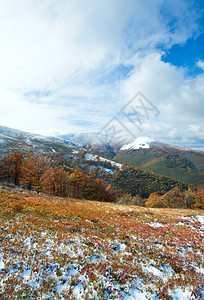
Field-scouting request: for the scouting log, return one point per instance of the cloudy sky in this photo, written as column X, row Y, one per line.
column 71, row 66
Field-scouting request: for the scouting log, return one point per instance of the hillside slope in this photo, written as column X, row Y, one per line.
column 95, row 143
column 62, row 248
column 71, row 156
column 12, row 140
column 176, row 162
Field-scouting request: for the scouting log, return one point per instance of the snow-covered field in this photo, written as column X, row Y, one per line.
column 58, row 248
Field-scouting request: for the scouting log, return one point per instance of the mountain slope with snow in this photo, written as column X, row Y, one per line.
column 96, row 143
column 123, row 179
column 173, row 161
column 177, row 162
column 140, row 142
column 12, row 140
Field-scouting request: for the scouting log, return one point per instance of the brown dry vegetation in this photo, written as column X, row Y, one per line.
column 63, row 248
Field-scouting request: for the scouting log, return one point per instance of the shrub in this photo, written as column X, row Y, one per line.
column 174, row 199
column 135, row 200
column 17, row 207
column 155, row 200
column 138, row 201
column 125, row 199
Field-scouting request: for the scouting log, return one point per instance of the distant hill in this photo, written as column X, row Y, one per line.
column 72, row 156
column 176, row 162
column 95, row 143
column 12, row 140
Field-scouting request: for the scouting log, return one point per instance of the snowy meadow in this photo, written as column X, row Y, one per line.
column 61, row 248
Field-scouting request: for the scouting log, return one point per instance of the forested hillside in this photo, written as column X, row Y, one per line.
column 60, row 175
column 185, row 166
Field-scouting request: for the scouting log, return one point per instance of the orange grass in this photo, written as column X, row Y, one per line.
column 64, row 248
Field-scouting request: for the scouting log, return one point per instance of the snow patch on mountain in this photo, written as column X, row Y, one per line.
column 93, row 157
column 140, row 142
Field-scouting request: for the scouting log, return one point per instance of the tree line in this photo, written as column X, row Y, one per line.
column 36, row 172
column 58, row 176
column 174, row 198
column 127, row 179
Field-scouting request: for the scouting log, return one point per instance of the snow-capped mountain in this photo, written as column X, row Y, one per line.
column 143, row 152
column 16, row 140
column 90, row 139
column 95, row 143
column 177, row 162
column 140, row 142
column 106, row 146
column 147, row 143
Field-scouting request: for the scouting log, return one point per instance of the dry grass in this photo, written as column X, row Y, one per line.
column 60, row 248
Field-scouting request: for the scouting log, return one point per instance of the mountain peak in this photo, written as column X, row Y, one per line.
column 140, row 142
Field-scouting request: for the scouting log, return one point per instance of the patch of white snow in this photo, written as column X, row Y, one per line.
column 140, row 142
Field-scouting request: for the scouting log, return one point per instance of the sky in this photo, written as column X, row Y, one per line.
column 73, row 66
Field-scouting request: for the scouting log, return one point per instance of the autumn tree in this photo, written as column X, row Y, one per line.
column 14, row 162
column 137, row 200
column 125, row 198
column 32, row 171
column 189, row 198
column 111, row 195
column 155, row 200
column 199, row 197
column 77, row 183
column 55, row 181
column 174, row 199
column 48, row 181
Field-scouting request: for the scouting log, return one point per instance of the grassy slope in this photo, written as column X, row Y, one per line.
column 73, row 249
column 184, row 166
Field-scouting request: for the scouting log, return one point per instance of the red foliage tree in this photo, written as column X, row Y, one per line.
column 14, row 163
column 199, row 197
column 55, row 181
column 32, row 171
column 154, row 200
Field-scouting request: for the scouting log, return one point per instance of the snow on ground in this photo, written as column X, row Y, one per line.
column 93, row 157
column 73, row 249
column 75, row 151
column 103, row 168
column 2, row 141
column 140, row 142
column 155, row 224
column 201, row 220
column 180, row 294
column 89, row 156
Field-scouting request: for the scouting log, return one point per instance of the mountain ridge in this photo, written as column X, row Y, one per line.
column 124, row 179
column 13, row 139
column 176, row 162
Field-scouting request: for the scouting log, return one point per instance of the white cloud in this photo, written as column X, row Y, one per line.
column 55, row 57
column 179, row 99
column 45, row 43
column 200, row 64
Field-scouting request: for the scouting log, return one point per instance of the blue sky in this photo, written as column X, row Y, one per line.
column 187, row 55
column 71, row 66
